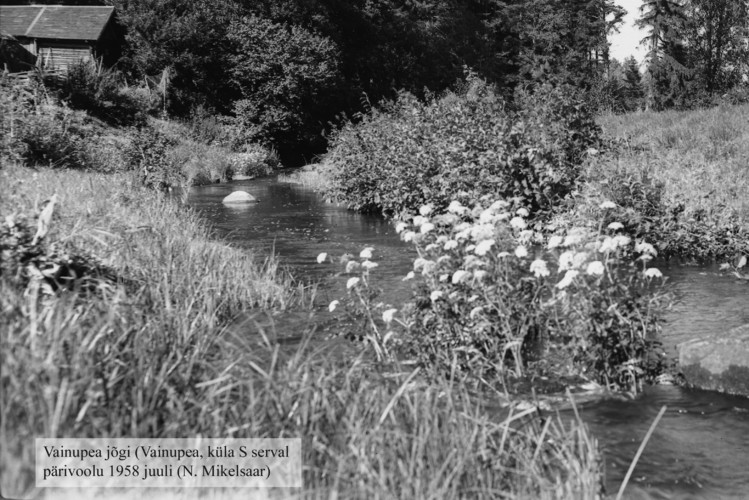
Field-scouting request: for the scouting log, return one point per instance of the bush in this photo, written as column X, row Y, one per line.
column 497, row 297
column 99, row 91
column 149, row 152
column 460, row 147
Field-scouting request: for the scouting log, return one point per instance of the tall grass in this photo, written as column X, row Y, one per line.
column 681, row 176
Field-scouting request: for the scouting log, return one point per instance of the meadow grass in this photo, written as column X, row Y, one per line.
column 151, row 355
column 699, row 159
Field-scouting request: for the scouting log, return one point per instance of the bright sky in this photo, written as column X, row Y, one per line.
column 627, row 42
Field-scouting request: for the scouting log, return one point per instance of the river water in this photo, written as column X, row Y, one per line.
column 700, row 448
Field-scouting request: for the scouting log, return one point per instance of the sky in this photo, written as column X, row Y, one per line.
column 627, row 42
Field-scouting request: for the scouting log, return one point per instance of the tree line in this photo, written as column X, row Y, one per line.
column 285, row 70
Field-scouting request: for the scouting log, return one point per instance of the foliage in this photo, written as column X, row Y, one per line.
column 288, row 77
column 91, row 87
column 493, row 298
column 149, row 154
column 461, row 146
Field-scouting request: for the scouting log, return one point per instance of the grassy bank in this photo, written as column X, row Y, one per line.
column 681, row 178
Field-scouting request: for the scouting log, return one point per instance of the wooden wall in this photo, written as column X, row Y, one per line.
column 61, row 56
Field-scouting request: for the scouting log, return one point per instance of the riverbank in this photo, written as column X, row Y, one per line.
column 142, row 350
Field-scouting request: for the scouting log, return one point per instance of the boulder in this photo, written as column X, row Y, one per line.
column 720, row 363
column 239, row 197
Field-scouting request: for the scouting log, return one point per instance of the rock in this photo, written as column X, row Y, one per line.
column 240, row 177
column 718, row 364
column 239, row 197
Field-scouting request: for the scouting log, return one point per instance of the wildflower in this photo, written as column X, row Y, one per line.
column 352, row 266
column 522, row 212
column 459, row 276
column 400, row 226
column 615, row 226
column 444, row 277
column 419, row 263
column 408, row 235
column 435, row 295
column 521, row 252
column 352, row 282
column 607, row 205
column 426, row 210
column 368, row 264
column 333, row 305
column 608, row 245
column 645, row 248
column 595, row 268
column 572, row 239
column 653, row 273
column 566, row 260
column 429, row 266
column 622, row 241
column 451, row 244
column 442, row 239
column 419, row 220
column 366, row 253
column 554, row 242
column 483, row 247
column 498, row 205
column 387, row 316
column 456, row 208
column 321, row 258
column 482, row 232
column 470, row 248
column 426, row 227
column 567, row 280
column 579, row 259
column 487, row 216
column 409, row 276
column 538, row 267
column 502, row 255
column 518, row 223
column 479, row 274
column 431, row 246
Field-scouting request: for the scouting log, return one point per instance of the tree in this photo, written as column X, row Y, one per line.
column 186, row 37
column 288, row 79
column 666, row 56
column 633, row 83
column 717, row 33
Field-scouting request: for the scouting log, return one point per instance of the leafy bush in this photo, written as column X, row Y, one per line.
column 495, row 296
column 462, row 146
column 149, row 152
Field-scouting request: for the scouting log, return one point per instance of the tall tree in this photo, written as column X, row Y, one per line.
column 718, row 31
column 666, row 56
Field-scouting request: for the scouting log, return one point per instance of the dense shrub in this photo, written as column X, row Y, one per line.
column 495, row 295
column 461, row 146
column 99, row 91
column 149, row 152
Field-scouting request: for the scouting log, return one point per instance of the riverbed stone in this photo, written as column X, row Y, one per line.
column 718, row 363
column 239, row 197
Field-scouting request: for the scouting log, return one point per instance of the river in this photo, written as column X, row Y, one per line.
column 700, row 449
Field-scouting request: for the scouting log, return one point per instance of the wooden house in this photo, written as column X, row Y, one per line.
column 57, row 36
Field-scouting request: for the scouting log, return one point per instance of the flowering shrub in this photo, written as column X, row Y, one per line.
column 370, row 318
column 495, row 295
column 461, row 146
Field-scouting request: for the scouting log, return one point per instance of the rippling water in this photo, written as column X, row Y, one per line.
column 700, row 448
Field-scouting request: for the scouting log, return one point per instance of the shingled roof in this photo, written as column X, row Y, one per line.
column 64, row 22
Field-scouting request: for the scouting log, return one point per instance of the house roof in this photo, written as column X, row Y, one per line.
column 63, row 22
